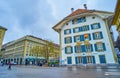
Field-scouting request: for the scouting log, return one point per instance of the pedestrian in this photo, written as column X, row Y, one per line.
column 9, row 66
column 2, row 63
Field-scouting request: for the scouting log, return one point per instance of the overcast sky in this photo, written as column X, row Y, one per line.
column 37, row 17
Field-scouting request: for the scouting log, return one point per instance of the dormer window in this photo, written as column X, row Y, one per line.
column 79, row 20
column 67, row 31
column 95, row 26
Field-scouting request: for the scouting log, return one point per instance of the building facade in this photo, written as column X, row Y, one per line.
column 19, row 51
column 2, row 33
column 116, row 22
column 85, row 38
column 116, row 19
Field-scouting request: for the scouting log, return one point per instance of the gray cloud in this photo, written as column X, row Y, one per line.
column 37, row 17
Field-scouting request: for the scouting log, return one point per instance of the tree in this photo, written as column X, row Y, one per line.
column 50, row 50
column 37, row 52
column 46, row 50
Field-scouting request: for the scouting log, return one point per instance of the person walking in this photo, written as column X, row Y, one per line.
column 9, row 66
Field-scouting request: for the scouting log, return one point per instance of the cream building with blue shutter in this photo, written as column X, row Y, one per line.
column 85, row 38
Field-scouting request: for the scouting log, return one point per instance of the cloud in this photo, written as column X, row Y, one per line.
column 37, row 17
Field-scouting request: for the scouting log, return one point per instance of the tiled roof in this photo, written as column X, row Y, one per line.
column 78, row 11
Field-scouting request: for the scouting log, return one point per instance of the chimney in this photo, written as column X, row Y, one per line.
column 85, row 6
column 72, row 9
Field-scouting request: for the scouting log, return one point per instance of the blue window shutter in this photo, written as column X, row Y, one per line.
column 101, row 35
column 89, row 37
column 75, row 48
column 70, row 39
column 91, row 26
column 80, row 29
column 104, row 48
column 88, row 27
column 81, row 37
column 72, row 21
column 91, row 48
column 84, row 19
column 95, row 45
column 98, row 25
column 65, row 50
column 79, row 20
column 70, row 31
column 74, row 38
column 73, row 30
column 83, row 48
column 65, row 40
column 64, row 31
column 93, row 57
column 71, row 50
column 93, row 36
column 76, row 60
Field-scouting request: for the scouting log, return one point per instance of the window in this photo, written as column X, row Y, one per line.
column 100, row 47
column 67, row 31
column 75, row 30
column 74, row 21
column 78, row 49
column 82, row 19
column 76, row 38
column 87, row 37
column 68, row 49
column 89, row 48
column 85, row 28
column 95, row 26
column 97, row 35
column 102, row 59
column 78, row 20
column 68, row 40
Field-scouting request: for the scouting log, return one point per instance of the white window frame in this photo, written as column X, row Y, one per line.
column 68, row 49
column 97, row 35
column 78, row 49
column 95, row 26
column 77, row 38
column 99, row 46
column 76, row 30
column 88, row 48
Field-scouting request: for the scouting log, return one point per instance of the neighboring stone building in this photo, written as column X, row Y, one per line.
column 116, row 22
column 18, row 51
column 2, row 33
column 85, row 38
column 116, row 19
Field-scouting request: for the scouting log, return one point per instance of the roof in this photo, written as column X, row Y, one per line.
column 117, row 10
column 4, row 45
column 80, row 11
column 109, row 20
column 1, row 27
column 77, row 12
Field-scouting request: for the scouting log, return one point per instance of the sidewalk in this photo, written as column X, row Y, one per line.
column 5, row 73
column 94, row 66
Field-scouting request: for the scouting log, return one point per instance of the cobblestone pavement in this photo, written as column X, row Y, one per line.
column 58, row 72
